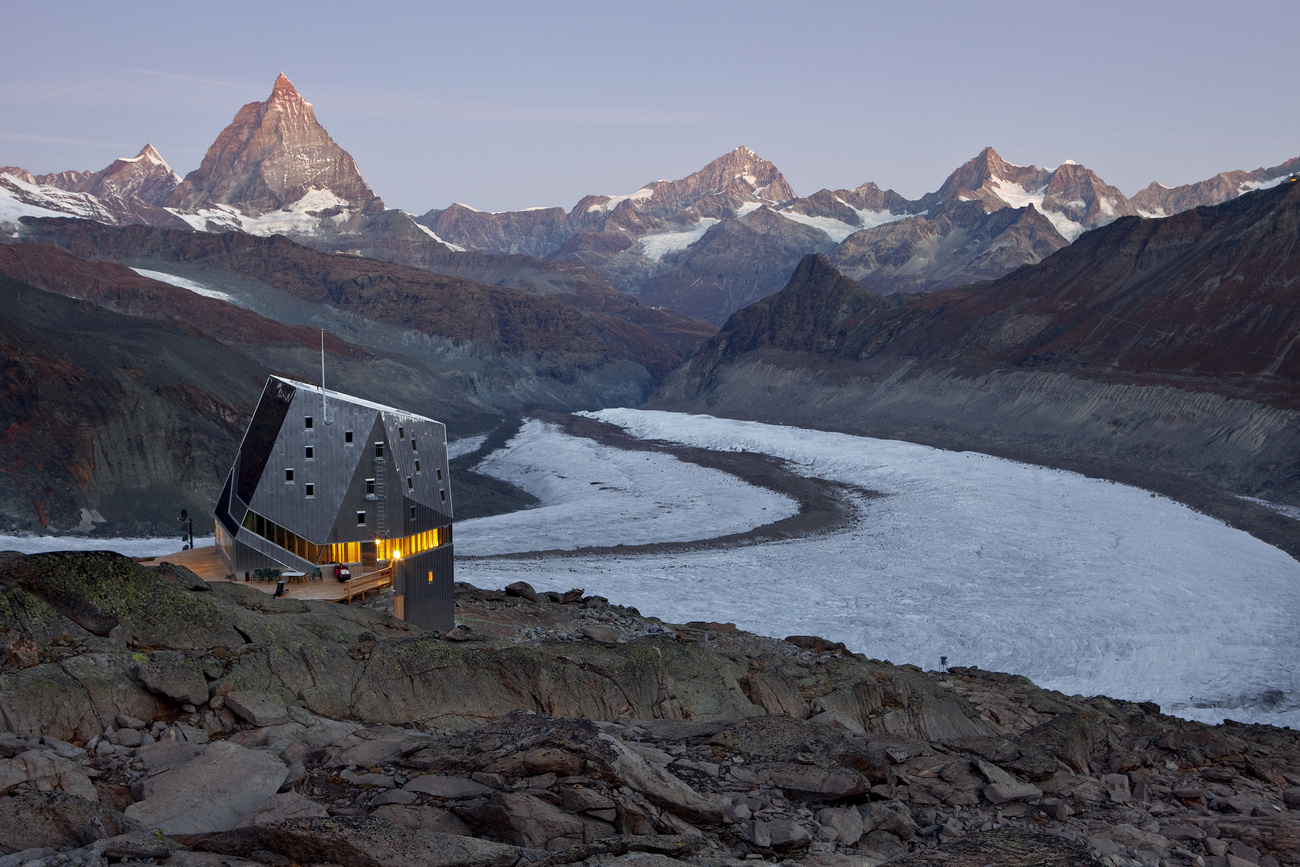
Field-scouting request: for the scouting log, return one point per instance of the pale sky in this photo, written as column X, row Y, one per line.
column 507, row 105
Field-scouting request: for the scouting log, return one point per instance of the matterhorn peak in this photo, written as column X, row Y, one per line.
column 284, row 89
column 272, row 155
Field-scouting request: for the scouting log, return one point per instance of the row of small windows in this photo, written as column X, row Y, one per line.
column 309, row 489
column 308, row 424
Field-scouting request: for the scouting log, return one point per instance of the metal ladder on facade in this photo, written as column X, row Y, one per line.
column 381, row 509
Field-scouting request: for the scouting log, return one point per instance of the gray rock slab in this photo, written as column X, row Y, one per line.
column 57, row 820
column 46, row 770
column 210, row 793
column 361, row 842
column 813, row 780
column 175, row 675
column 258, row 708
column 284, row 805
column 447, row 787
column 1002, row 793
column 167, row 754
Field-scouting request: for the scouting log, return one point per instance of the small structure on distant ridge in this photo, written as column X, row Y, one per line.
column 323, row 477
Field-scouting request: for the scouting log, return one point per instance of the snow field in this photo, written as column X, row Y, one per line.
column 1080, row 584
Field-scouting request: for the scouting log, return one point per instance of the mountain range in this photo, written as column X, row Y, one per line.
column 1036, row 313
column 705, row 245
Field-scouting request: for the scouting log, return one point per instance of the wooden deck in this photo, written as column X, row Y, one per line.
column 208, row 565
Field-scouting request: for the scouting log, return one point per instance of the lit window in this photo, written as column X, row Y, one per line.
column 306, row 422
column 288, row 474
column 361, row 519
column 309, row 489
column 410, row 483
column 347, row 436
column 309, row 452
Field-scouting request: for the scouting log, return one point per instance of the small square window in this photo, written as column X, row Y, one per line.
column 288, row 474
column 347, row 436
column 417, row 466
column 410, row 483
column 309, row 489
column 361, row 519
column 309, row 452
column 443, row 494
column 413, row 446
column 307, row 422
column 413, row 513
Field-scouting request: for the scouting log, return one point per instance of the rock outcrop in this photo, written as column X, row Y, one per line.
column 533, row 744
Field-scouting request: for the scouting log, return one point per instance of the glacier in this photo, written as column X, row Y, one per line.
column 1081, row 584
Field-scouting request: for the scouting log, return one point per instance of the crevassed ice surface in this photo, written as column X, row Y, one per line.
column 596, row 496
column 1083, row 585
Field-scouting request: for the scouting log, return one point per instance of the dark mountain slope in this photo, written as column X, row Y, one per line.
column 1210, row 294
column 128, row 417
column 462, row 310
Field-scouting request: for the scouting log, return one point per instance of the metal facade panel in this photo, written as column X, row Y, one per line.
column 330, row 470
column 354, row 497
column 421, row 487
column 430, row 604
column 259, row 439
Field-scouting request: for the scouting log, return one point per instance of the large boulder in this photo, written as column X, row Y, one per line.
column 57, row 821
column 212, row 792
column 176, row 675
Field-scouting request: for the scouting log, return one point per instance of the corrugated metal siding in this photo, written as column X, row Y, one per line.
column 430, row 604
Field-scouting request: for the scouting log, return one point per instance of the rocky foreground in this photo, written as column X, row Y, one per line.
column 151, row 717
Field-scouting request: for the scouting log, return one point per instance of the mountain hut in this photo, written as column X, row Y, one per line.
column 324, row 478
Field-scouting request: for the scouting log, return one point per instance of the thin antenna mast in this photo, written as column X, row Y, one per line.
column 324, row 411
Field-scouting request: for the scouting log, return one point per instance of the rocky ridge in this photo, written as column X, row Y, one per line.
column 732, row 233
column 151, row 715
column 145, row 176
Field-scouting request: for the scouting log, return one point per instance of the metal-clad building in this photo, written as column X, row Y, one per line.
column 323, row 478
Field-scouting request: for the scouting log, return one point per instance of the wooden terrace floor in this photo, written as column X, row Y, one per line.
column 208, row 565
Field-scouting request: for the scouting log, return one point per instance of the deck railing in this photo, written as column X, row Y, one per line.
column 362, row 584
